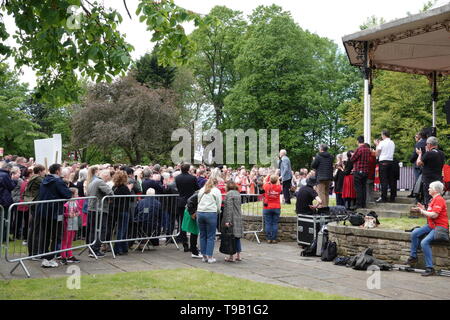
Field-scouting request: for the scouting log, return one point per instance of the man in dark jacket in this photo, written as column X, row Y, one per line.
column 421, row 143
column 432, row 162
column 6, row 185
column 150, row 182
column 49, row 216
column 186, row 185
column 323, row 164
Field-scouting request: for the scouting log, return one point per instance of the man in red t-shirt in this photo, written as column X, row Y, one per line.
column 437, row 218
column 272, row 207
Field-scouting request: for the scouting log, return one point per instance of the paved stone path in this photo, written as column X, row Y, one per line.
column 270, row 263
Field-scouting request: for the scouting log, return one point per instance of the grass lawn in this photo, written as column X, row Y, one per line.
column 190, row 284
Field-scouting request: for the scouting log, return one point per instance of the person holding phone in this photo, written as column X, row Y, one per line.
column 272, row 207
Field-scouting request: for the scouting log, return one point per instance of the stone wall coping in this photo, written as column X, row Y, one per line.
column 396, row 235
column 289, row 219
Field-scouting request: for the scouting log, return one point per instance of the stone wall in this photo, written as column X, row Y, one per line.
column 389, row 245
column 287, row 228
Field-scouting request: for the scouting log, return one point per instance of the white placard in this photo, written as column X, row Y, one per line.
column 48, row 151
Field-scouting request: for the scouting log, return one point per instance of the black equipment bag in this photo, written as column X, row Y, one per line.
column 356, row 219
column 310, row 251
column 330, row 251
column 227, row 242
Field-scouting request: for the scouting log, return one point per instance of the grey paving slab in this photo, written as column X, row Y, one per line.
column 278, row 264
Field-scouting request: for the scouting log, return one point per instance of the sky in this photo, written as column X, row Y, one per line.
column 332, row 19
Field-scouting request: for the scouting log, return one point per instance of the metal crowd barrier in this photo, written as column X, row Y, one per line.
column 43, row 229
column 2, row 225
column 128, row 221
column 252, row 205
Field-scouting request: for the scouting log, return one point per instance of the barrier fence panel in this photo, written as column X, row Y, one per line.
column 252, row 205
column 2, row 225
column 133, row 221
column 44, row 229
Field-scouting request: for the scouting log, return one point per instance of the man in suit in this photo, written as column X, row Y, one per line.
column 284, row 164
column 186, row 185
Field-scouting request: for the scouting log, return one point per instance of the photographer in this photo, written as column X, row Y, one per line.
column 272, row 208
column 437, row 217
column 305, row 197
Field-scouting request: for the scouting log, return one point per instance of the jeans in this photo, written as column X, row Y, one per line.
column 271, row 218
column 287, row 191
column 360, row 180
column 238, row 245
column 425, row 244
column 207, row 223
column 122, row 230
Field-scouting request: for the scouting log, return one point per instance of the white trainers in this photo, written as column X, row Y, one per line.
column 212, row 260
column 204, row 259
column 49, row 263
column 198, row 256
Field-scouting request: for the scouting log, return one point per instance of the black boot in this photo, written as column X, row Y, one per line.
column 186, row 247
column 429, row 272
column 411, row 261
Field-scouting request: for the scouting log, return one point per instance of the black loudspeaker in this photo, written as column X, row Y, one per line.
column 447, row 111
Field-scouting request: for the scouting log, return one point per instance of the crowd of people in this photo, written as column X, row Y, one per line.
column 211, row 196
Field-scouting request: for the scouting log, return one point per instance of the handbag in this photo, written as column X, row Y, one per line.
column 227, row 242
column 441, row 234
column 189, row 224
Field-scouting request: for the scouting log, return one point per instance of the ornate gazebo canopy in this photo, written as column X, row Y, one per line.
column 418, row 44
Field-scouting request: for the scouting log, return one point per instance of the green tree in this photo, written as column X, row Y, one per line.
column 150, row 72
column 290, row 80
column 215, row 53
column 56, row 44
column 17, row 130
column 128, row 116
column 400, row 103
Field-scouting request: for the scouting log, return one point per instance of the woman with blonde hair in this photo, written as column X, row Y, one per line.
column 92, row 172
column 209, row 204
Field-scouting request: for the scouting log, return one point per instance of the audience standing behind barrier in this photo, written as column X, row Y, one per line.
column 119, row 215
column 72, row 212
column 99, row 189
column 49, row 216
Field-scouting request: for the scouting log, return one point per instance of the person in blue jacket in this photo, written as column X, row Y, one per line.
column 49, row 216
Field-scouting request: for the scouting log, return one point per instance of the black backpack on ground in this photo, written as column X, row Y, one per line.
column 311, row 250
column 330, row 251
column 341, row 261
column 365, row 259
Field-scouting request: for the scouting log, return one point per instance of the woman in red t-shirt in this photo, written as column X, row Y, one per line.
column 437, row 218
column 272, row 208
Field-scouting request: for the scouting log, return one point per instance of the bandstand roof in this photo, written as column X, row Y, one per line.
column 418, row 44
